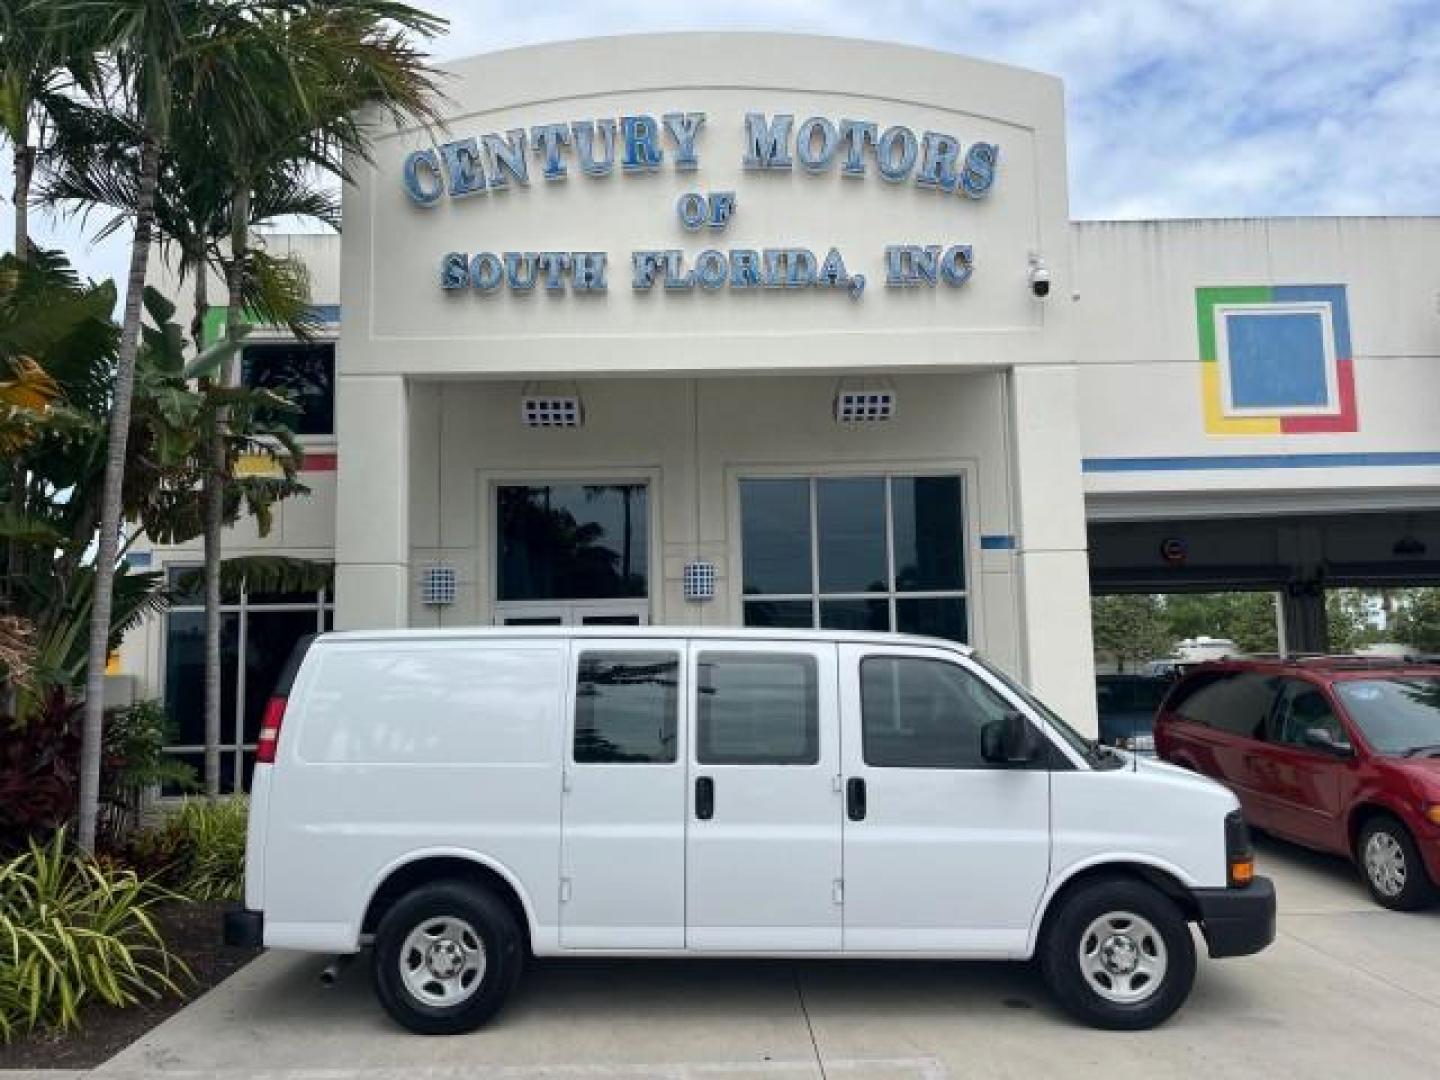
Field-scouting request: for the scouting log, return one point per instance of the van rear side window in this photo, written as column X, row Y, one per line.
column 433, row 706
column 625, row 707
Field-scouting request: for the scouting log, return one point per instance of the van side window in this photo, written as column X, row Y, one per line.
column 757, row 709
column 625, row 707
column 1239, row 703
column 1303, row 707
column 924, row 714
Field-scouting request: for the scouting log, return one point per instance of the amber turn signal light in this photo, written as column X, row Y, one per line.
column 1433, row 813
column 1242, row 872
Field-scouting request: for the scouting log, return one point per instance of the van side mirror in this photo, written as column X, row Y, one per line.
column 1324, row 740
column 1011, row 741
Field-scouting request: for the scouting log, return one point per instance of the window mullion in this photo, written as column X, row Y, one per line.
column 814, row 492
column 890, row 583
column 242, row 644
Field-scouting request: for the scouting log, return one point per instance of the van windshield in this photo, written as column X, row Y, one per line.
column 1077, row 742
column 1398, row 715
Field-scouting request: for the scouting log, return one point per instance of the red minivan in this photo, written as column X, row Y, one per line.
column 1339, row 754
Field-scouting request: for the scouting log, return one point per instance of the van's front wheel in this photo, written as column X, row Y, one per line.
column 1118, row 954
column 447, row 955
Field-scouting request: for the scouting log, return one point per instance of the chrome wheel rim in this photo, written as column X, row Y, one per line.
column 1385, row 863
column 443, row 961
column 1123, row 957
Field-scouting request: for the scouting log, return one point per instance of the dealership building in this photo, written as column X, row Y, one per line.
column 768, row 330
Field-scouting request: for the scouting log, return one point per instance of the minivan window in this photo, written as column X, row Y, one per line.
column 1304, row 708
column 625, row 707
column 1236, row 702
column 923, row 714
column 757, row 709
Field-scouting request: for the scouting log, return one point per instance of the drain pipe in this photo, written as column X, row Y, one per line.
column 331, row 972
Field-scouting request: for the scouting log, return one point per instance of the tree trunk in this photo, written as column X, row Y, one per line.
column 216, row 479
column 109, row 542
column 24, row 170
column 214, row 494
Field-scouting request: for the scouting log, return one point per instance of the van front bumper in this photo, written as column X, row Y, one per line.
column 1238, row 921
column 245, row 928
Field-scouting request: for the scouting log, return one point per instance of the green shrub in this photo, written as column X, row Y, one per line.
column 73, row 930
column 198, row 850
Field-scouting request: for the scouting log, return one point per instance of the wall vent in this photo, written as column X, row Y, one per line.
column 864, row 406
column 551, row 411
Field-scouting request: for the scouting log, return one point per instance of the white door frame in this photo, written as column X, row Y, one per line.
column 573, row 612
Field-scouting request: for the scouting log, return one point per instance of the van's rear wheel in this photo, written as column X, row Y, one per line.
column 447, row 955
column 1118, row 954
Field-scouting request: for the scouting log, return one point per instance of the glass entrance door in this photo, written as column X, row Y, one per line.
column 572, row 554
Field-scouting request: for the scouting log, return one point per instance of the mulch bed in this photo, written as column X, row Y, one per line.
column 193, row 932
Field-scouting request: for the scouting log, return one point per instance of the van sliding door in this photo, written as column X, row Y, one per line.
column 763, row 843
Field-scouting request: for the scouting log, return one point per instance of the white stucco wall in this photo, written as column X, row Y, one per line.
column 696, row 440
column 1137, row 351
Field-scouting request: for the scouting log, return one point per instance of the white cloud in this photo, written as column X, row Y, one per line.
column 1176, row 107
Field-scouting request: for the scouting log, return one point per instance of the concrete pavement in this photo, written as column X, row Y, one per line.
column 1347, row 989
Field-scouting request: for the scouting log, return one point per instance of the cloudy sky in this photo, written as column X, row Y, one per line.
column 1177, row 108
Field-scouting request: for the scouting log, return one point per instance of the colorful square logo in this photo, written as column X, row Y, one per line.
column 1276, row 360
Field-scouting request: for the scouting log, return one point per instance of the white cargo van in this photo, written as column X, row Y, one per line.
column 465, row 799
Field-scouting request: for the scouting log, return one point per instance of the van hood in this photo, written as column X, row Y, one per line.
column 1150, row 766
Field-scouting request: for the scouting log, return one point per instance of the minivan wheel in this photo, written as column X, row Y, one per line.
column 1118, row 954
column 447, row 955
column 1391, row 865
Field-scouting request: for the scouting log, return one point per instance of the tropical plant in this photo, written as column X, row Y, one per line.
column 74, row 931
column 283, row 96
column 143, row 42
column 198, row 850
column 136, row 762
column 44, row 60
column 39, row 771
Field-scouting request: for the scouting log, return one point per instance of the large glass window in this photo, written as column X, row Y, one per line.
column 924, row 714
column 257, row 633
column 625, row 707
column 757, row 709
column 304, row 371
column 855, row 553
column 572, row 542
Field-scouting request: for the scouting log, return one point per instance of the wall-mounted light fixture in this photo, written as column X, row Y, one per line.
column 699, row 580
column 438, row 586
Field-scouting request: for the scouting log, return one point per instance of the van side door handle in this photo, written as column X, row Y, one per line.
column 855, row 798
column 704, row 798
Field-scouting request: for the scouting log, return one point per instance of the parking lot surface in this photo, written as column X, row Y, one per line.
column 1347, row 990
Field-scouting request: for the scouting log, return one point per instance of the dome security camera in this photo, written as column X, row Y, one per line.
column 1039, row 277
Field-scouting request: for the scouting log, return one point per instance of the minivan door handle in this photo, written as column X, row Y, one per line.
column 704, row 798
column 855, row 798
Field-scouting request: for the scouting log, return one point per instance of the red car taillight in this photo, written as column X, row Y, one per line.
column 270, row 731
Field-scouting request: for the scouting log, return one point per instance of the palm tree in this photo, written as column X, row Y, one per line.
column 43, row 59
column 280, row 90
column 142, row 41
